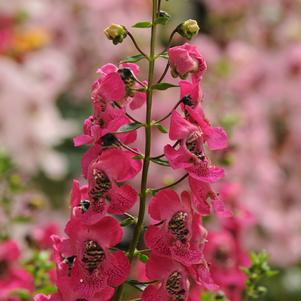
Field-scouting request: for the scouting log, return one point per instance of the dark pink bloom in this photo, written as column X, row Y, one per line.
column 173, row 277
column 178, row 233
column 12, row 277
column 118, row 84
column 201, row 192
column 197, row 126
column 94, row 129
column 191, row 93
column 126, row 169
column 186, row 59
column 225, row 258
column 216, row 137
column 190, row 154
column 195, row 163
column 85, row 264
column 89, row 208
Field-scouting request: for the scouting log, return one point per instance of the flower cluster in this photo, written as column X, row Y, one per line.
column 89, row 263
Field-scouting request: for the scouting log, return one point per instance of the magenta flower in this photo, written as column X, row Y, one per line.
column 186, row 59
column 190, row 154
column 12, row 277
column 173, row 277
column 89, row 209
column 177, row 232
column 85, row 264
column 226, row 258
column 201, row 192
column 190, row 93
column 95, row 127
column 118, row 84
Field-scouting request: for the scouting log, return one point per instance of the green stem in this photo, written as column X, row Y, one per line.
column 139, row 226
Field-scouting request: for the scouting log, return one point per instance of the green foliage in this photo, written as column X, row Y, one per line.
column 129, row 127
column 209, row 296
column 38, row 266
column 163, row 18
column 163, row 86
column 133, row 58
column 257, row 272
column 161, row 128
column 143, row 24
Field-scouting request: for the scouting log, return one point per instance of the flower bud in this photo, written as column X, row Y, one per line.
column 115, row 32
column 188, row 29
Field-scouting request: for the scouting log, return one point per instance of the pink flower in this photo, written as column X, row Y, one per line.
column 173, row 277
column 201, row 192
column 12, row 277
column 190, row 93
column 118, row 85
column 88, row 208
column 195, row 163
column 197, row 125
column 126, row 169
column 190, row 154
column 186, row 59
column 225, row 258
column 94, row 129
column 178, row 234
column 85, row 264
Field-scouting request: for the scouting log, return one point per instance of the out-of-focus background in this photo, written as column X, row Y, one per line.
column 49, row 51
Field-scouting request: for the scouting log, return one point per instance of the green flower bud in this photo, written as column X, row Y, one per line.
column 188, row 29
column 115, row 32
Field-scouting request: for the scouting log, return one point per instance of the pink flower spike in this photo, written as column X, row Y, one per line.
column 186, row 59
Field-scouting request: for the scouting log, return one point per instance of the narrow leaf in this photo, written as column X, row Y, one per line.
column 164, row 55
column 143, row 24
column 161, row 128
column 129, row 127
column 133, row 59
column 138, row 157
column 163, row 86
column 160, row 162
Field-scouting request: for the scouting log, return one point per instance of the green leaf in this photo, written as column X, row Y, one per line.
column 133, row 59
column 143, row 24
column 142, row 257
column 138, row 157
column 129, row 127
column 160, row 162
column 127, row 221
column 163, row 18
column 163, row 86
column 164, row 55
column 161, row 128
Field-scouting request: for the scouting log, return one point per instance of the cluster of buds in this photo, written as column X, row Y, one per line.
column 89, row 265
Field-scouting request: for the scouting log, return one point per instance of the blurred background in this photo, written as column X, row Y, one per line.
column 49, row 52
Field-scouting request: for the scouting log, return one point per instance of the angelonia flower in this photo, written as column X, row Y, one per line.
column 90, row 266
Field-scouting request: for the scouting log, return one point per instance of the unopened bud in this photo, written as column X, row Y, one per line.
column 188, row 29
column 117, row 33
